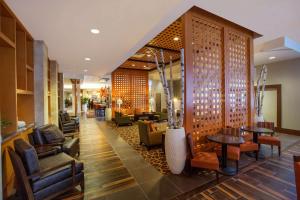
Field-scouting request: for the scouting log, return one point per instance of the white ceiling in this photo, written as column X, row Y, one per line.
column 127, row 25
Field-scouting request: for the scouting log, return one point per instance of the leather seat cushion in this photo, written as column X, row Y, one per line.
column 248, row 146
column 271, row 140
column 206, row 160
column 233, row 153
column 58, row 186
column 58, row 175
column 28, row 155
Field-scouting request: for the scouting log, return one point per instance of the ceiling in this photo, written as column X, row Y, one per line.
column 127, row 25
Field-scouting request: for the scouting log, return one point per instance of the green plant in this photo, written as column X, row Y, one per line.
column 5, row 123
column 84, row 100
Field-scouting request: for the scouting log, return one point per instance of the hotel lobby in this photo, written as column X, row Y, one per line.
column 176, row 99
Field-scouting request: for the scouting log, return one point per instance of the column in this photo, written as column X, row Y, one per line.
column 76, row 104
column 61, row 105
column 54, row 92
column 40, row 82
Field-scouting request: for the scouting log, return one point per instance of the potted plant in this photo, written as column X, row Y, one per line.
column 259, row 98
column 175, row 142
column 84, row 102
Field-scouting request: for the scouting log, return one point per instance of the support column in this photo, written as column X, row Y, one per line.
column 61, row 105
column 76, row 96
column 40, row 82
column 54, row 92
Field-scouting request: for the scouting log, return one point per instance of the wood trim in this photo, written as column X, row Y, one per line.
column 287, row 131
column 277, row 87
column 165, row 49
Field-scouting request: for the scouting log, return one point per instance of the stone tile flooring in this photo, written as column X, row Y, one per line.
column 151, row 184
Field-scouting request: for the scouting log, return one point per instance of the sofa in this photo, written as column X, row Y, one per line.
column 51, row 135
column 46, row 178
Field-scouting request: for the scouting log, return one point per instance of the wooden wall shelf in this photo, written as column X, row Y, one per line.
column 5, row 41
column 26, row 92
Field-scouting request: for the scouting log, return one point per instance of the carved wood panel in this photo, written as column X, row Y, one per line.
column 237, row 78
column 132, row 87
column 207, row 78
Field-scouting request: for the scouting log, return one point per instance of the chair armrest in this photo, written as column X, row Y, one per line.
column 47, row 170
column 52, row 145
column 71, row 135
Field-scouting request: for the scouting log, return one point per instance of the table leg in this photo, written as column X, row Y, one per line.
column 229, row 171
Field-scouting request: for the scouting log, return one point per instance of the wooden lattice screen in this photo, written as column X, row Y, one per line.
column 132, row 87
column 217, row 74
column 207, row 78
column 237, row 79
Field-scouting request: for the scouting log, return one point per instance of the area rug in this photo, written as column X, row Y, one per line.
column 154, row 156
column 270, row 179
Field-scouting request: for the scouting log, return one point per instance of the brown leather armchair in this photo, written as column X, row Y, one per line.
column 68, row 123
column 46, row 178
column 50, row 135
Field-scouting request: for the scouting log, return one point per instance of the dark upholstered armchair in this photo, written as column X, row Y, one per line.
column 50, row 135
column 67, row 123
column 148, row 135
column 122, row 119
column 46, row 178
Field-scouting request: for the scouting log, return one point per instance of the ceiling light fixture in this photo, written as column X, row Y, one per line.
column 148, row 55
column 272, row 57
column 176, row 38
column 85, row 70
column 145, row 66
column 95, row 31
column 133, row 65
column 87, row 59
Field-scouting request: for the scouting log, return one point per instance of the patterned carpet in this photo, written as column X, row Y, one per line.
column 271, row 179
column 154, row 156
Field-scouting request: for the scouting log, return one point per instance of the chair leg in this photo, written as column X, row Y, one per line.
column 279, row 150
column 237, row 166
column 217, row 176
column 82, row 185
column 256, row 155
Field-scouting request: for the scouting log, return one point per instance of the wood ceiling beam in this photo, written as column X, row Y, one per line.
column 165, row 49
column 143, row 61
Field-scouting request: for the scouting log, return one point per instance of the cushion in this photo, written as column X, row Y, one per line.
column 233, row 153
column 28, row 155
column 52, row 134
column 206, row 160
column 58, row 175
column 248, row 146
column 271, row 140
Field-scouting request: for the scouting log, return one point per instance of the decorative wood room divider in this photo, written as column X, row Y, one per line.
column 132, row 87
column 219, row 74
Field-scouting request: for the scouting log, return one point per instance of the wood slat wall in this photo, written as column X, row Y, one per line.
column 219, row 74
column 132, row 87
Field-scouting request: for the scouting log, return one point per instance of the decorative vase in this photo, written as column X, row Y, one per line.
column 84, row 107
column 259, row 118
column 175, row 149
column 108, row 114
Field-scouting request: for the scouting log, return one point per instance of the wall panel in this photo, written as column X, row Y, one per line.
column 132, row 87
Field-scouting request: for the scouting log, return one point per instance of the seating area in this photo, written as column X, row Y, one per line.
column 175, row 100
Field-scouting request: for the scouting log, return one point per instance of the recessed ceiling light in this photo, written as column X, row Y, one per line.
column 272, row 57
column 85, row 70
column 176, row 38
column 95, row 31
column 145, row 66
column 148, row 55
column 87, row 59
column 133, row 65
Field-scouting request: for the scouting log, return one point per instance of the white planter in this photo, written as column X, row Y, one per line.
column 259, row 118
column 84, row 108
column 108, row 114
column 175, row 148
